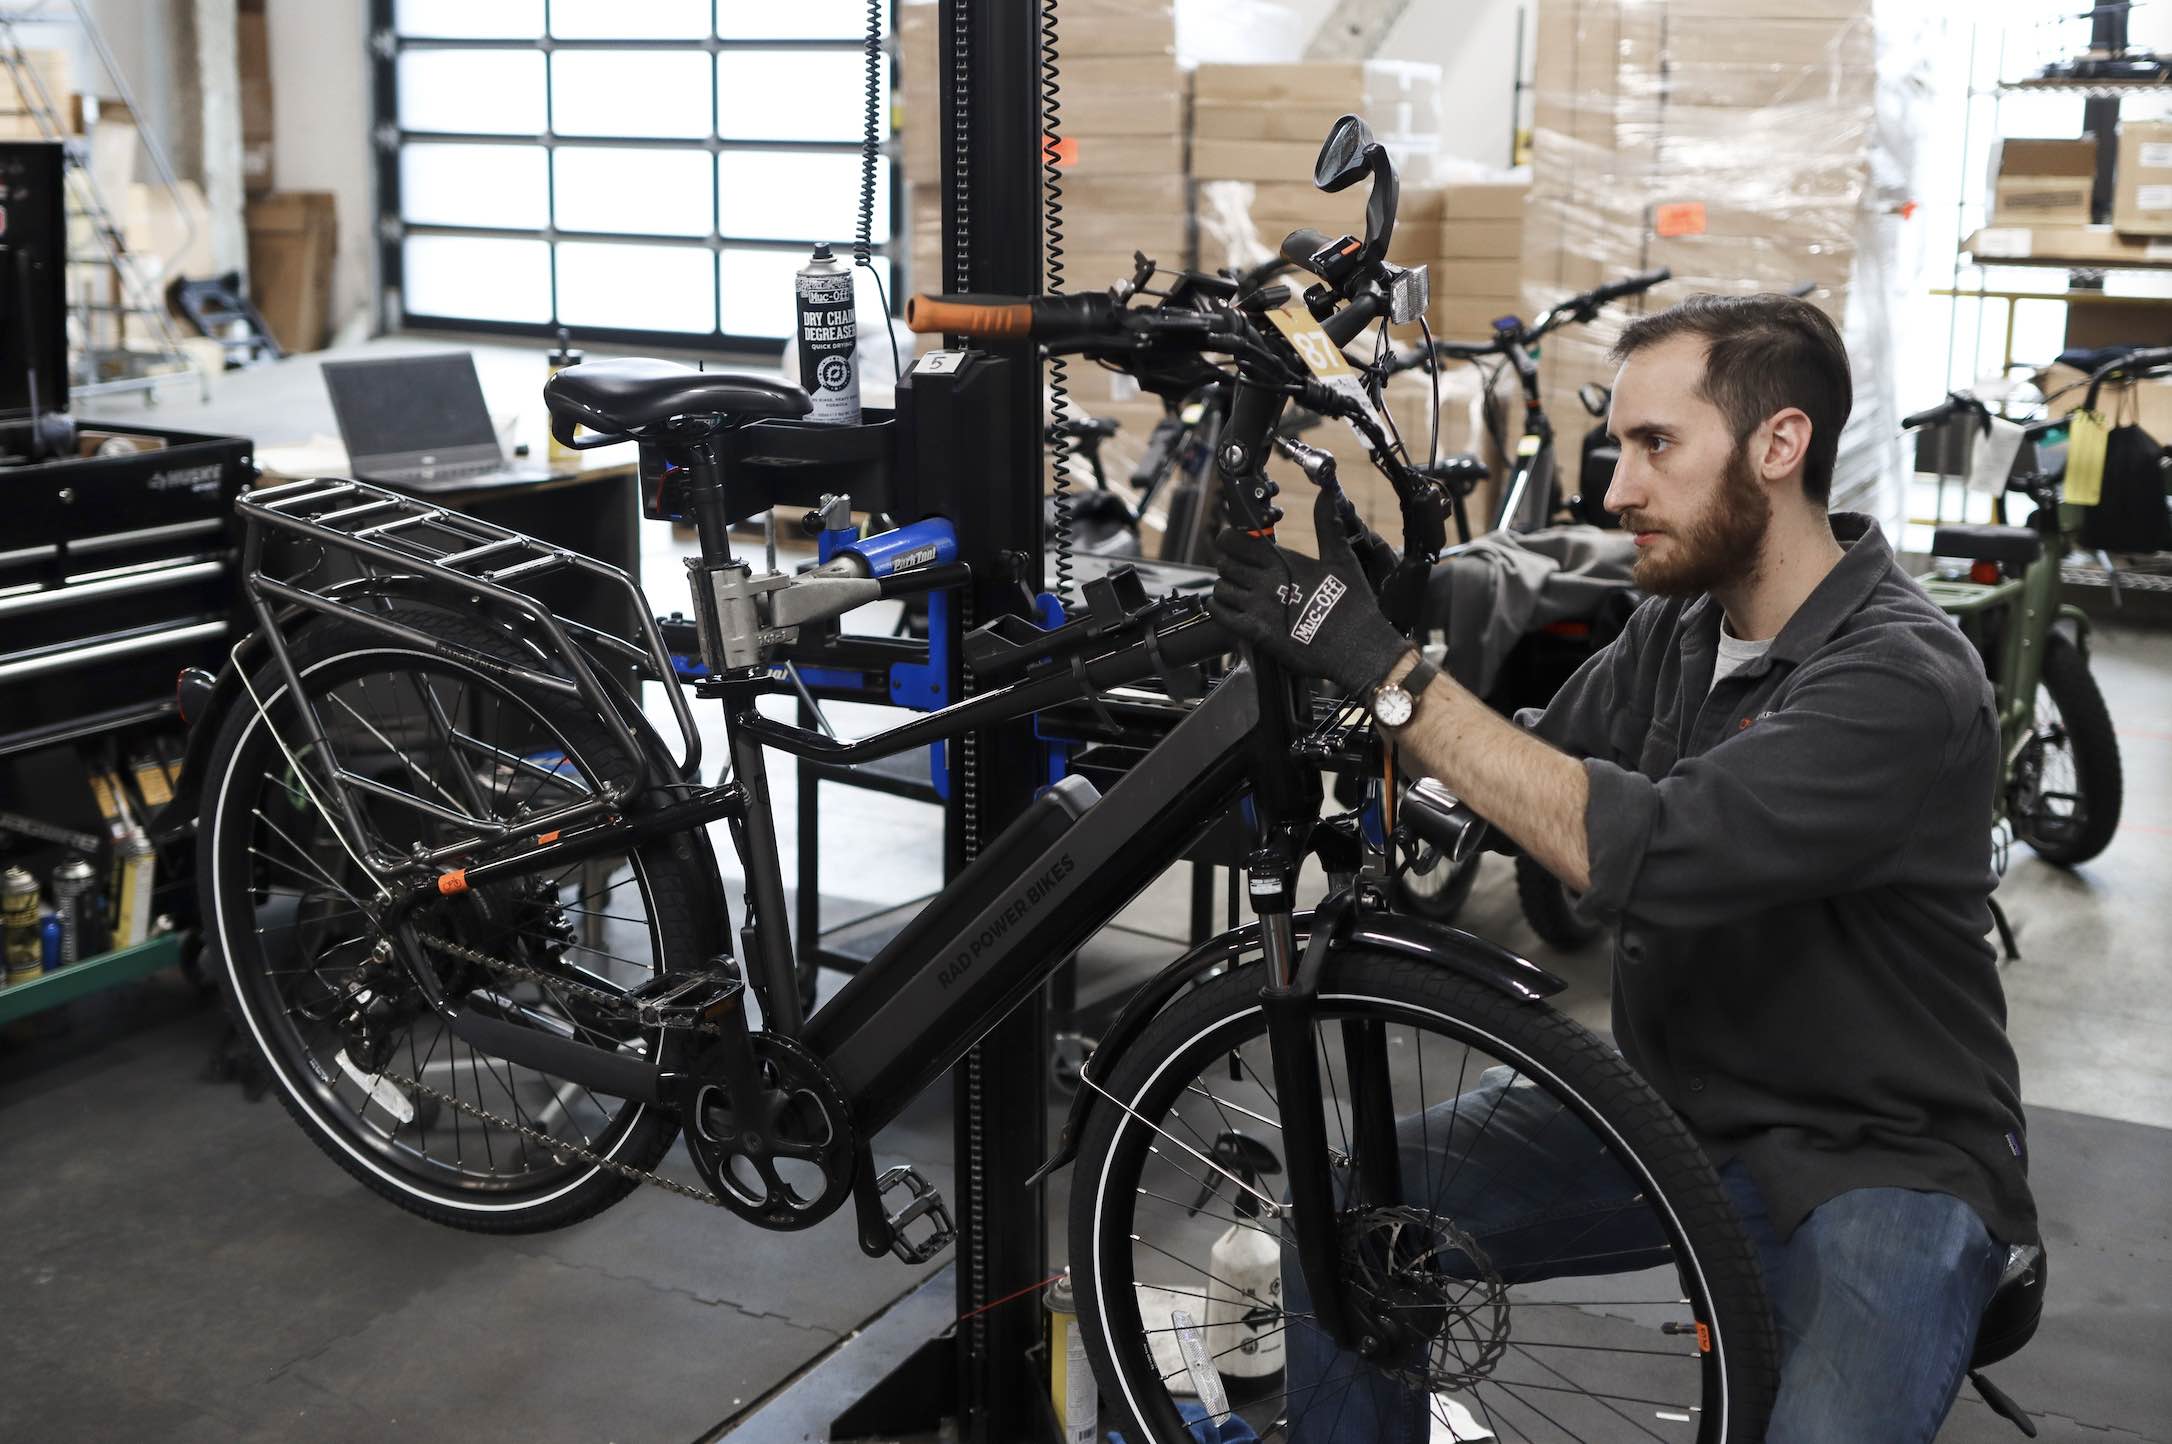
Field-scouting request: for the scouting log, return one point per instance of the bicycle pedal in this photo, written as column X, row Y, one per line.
column 681, row 998
column 923, row 1205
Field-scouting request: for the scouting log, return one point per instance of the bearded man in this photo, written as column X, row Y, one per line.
column 1777, row 784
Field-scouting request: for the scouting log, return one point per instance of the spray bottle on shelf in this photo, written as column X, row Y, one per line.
column 829, row 340
column 1244, row 1330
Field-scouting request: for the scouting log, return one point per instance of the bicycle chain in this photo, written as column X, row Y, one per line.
column 609, row 1002
column 613, row 1003
column 555, row 1145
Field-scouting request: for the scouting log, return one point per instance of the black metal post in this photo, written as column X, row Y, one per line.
column 2100, row 117
column 988, row 55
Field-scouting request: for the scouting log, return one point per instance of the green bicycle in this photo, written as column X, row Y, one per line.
column 2062, row 780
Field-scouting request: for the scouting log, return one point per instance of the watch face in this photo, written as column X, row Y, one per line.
column 1393, row 706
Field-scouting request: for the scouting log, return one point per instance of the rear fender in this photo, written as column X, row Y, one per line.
column 207, row 716
column 1429, row 942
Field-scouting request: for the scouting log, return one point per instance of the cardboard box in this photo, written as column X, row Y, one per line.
column 2089, row 244
column 1481, row 240
column 19, row 106
column 1122, row 112
column 1484, row 201
column 1352, row 84
column 2043, row 182
column 1254, row 160
column 1115, row 27
column 254, row 65
column 1452, row 279
column 1297, row 121
column 1125, row 155
column 2142, row 205
column 2123, row 321
column 2148, row 402
column 293, row 239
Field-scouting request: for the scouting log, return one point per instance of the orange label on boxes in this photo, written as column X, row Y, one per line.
column 1678, row 218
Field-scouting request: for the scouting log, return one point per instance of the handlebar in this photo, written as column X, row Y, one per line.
column 1634, row 285
column 1955, row 403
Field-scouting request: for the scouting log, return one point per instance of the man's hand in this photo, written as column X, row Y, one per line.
column 1316, row 617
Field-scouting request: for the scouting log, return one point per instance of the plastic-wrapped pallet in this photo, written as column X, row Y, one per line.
column 1729, row 140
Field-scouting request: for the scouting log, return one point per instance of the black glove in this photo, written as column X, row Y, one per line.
column 1316, row 617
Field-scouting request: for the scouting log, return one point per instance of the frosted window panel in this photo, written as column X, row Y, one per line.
column 755, row 292
column 639, row 93
column 640, row 192
column 469, row 19
column 790, row 95
column 617, row 20
column 803, row 20
column 796, row 195
column 636, row 288
column 483, row 92
column 504, row 186
column 478, row 278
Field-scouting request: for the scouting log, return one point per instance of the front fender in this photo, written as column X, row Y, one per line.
column 1436, row 943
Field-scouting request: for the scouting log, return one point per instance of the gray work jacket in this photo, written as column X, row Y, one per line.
column 1798, row 862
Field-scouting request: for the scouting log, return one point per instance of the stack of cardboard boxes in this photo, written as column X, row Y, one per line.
column 1479, row 276
column 1262, row 125
column 1728, row 140
column 49, row 73
column 1121, row 161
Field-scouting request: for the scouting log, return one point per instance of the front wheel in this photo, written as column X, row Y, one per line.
column 1561, row 1261
column 2064, row 789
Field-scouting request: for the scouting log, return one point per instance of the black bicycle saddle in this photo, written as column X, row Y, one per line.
column 619, row 397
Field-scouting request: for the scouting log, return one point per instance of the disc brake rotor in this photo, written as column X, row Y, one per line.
column 1441, row 1309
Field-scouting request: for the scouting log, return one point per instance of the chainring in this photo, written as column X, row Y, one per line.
column 794, row 1172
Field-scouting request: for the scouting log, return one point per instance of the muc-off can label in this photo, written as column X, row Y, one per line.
column 829, row 337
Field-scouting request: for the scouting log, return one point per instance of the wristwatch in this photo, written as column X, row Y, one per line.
column 1395, row 703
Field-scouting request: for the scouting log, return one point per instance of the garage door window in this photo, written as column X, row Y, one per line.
column 649, row 172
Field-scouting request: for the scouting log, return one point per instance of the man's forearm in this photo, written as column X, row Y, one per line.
column 1531, row 791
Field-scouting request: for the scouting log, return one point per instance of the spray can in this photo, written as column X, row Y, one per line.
column 1244, row 1328
column 19, row 925
column 72, row 884
column 565, row 354
column 829, row 340
column 1070, row 1375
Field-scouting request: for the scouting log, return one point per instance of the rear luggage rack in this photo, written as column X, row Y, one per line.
column 389, row 536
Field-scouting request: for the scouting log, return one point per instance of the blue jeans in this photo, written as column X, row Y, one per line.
column 1876, row 1294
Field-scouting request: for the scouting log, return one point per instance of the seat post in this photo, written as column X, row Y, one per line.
column 705, row 488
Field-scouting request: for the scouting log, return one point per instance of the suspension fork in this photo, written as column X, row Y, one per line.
column 1280, row 818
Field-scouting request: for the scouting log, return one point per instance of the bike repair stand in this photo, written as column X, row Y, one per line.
column 973, row 453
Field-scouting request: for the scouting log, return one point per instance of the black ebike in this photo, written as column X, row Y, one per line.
column 465, row 904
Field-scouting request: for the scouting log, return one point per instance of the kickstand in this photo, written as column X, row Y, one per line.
column 2006, row 932
column 2001, row 1404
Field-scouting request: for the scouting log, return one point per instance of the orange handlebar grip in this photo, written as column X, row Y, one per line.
column 928, row 315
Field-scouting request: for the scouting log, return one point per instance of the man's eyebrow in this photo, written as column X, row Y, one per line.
column 1641, row 431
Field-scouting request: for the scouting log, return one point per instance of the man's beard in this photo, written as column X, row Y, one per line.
column 1718, row 547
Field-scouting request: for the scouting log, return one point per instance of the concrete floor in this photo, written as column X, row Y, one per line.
column 182, row 1265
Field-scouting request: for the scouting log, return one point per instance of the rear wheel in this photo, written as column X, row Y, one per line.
column 2064, row 789
column 291, row 908
column 1632, row 1310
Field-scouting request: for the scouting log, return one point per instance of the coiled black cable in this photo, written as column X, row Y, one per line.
column 1059, row 390
column 871, row 139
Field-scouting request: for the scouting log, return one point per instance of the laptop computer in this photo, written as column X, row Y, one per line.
column 419, row 423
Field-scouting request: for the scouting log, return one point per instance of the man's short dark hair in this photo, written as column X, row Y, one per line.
column 1763, row 354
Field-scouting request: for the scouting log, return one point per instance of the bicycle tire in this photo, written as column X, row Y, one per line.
column 669, row 872
column 2095, row 751
column 1739, row 1370
column 1439, row 895
column 1546, row 902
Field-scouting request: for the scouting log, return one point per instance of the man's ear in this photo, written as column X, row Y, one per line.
column 1784, row 444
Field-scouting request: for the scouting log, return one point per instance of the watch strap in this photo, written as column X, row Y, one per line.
column 1418, row 678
